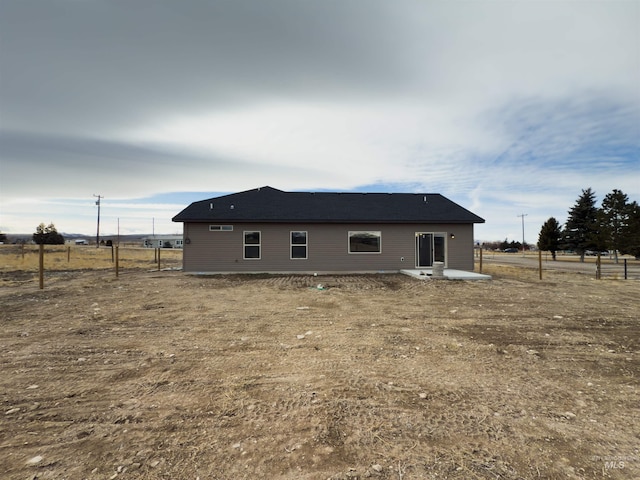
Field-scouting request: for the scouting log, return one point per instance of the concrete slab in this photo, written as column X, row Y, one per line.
column 449, row 274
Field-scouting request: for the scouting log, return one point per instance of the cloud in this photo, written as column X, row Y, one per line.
column 127, row 63
column 505, row 107
column 115, row 65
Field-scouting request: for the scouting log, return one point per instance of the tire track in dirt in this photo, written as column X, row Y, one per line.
column 271, row 377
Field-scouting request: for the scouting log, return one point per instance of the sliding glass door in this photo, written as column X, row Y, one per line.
column 430, row 247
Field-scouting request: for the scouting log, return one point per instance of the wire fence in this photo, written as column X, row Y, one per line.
column 603, row 267
column 52, row 258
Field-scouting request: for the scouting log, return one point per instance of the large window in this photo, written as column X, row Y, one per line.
column 299, row 245
column 252, row 245
column 365, row 242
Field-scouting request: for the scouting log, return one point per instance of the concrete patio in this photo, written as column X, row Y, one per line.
column 449, row 274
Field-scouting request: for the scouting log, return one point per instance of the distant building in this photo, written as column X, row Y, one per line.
column 77, row 241
column 163, row 241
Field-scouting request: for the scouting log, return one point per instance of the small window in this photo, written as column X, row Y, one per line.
column 365, row 242
column 299, row 245
column 252, row 245
column 220, row 228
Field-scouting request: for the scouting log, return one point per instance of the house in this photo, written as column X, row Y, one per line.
column 270, row 230
column 163, row 241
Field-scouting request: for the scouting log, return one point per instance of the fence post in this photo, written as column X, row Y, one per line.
column 68, row 254
column 117, row 262
column 625, row 268
column 480, row 259
column 41, row 269
column 598, row 267
column 158, row 259
column 540, row 263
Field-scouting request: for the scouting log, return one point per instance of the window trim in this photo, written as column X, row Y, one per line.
column 245, row 245
column 377, row 233
column 305, row 245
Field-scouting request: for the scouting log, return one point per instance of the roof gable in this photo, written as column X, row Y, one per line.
column 267, row 204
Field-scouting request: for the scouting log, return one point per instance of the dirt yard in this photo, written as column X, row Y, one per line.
column 156, row 375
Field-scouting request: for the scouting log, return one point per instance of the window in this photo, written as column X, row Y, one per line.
column 252, row 245
column 220, row 228
column 299, row 245
column 365, row 242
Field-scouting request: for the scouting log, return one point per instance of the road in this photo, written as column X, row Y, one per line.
column 570, row 263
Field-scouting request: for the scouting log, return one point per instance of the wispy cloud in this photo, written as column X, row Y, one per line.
column 505, row 107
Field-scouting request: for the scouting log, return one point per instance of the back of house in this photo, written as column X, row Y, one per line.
column 270, row 230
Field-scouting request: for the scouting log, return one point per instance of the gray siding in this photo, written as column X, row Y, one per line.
column 327, row 251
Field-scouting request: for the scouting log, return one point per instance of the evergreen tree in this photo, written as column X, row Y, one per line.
column 510, row 245
column 581, row 230
column 550, row 236
column 39, row 236
column 47, row 235
column 613, row 218
column 630, row 238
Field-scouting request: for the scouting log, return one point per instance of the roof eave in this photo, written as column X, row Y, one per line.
column 324, row 220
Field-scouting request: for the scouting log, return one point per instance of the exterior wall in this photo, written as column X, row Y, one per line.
column 327, row 248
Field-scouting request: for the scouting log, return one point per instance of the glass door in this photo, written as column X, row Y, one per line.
column 430, row 247
column 438, row 247
column 424, row 249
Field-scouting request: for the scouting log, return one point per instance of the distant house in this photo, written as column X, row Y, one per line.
column 269, row 230
column 163, row 241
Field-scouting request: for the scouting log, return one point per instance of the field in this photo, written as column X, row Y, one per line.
column 25, row 259
column 156, row 374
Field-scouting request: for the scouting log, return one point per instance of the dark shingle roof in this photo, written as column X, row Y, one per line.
column 268, row 204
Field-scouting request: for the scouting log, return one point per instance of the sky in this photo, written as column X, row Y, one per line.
column 508, row 108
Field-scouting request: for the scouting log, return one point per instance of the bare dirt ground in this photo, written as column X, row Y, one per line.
column 155, row 375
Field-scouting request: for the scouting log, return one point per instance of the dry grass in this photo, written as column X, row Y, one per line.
column 529, row 274
column 14, row 258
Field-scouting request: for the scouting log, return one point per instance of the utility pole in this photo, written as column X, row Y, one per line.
column 522, row 216
column 98, row 230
